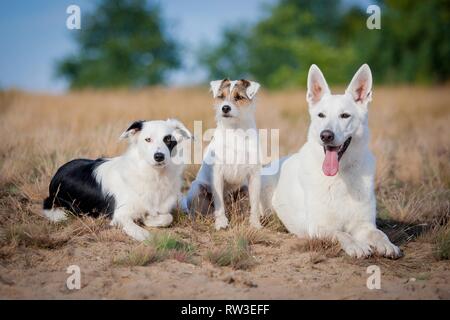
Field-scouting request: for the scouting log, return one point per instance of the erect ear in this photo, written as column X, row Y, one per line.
column 215, row 86
column 360, row 88
column 133, row 129
column 317, row 85
column 180, row 129
column 252, row 88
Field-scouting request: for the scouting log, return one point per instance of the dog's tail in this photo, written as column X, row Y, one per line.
column 53, row 214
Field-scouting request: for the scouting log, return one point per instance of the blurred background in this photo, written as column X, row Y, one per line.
column 137, row 43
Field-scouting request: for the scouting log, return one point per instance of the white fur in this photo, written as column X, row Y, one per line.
column 343, row 206
column 219, row 175
column 142, row 188
column 55, row 215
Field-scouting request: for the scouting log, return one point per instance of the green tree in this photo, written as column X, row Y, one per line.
column 279, row 49
column 121, row 43
column 411, row 46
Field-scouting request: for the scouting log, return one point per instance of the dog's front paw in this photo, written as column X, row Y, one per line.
column 381, row 244
column 221, row 222
column 137, row 233
column 386, row 248
column 160, row 220
column 357, row 250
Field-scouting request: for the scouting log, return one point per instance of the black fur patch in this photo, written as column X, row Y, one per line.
column 170, row 142
column 75, row 188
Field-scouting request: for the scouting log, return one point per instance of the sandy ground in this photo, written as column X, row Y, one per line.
column 281, row 271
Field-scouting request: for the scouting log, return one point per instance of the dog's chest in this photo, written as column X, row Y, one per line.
column 237, row 154
column 153, row 198
column 340, row 201
column 236, row 174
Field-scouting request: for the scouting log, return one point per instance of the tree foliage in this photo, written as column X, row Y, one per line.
column 411, row 46
column 121, row 43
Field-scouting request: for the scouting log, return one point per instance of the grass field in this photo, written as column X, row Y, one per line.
column 410, row 138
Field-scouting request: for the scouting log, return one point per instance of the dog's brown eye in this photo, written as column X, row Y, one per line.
column 238, row 97
column 345, row 115
column 221, row 96
column 148, row 139
column 167, row 139
column 321, row 115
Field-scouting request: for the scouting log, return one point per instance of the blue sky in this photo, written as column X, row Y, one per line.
column 33, row 36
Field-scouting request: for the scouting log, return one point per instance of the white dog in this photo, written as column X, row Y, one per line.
column 232, row 158
column 327, row 188
column 144, row 183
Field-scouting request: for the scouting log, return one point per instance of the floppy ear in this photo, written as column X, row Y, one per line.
column 134, row 128
column 317, row 85
column 215, row 86
column 180, row 129
column 360, row 88
column 252, row 89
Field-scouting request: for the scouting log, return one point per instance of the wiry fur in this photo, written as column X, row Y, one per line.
column 217, row 175
column 130, row 187
column 343, row 206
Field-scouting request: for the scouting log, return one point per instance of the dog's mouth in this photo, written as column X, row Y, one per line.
column 159, row 164
column 333, row 155
column 226, row 115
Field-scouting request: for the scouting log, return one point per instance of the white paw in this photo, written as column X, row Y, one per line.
column 386, row 248
column 357, row 250
column 161, row 220
column 221, row 222
column 138, row 233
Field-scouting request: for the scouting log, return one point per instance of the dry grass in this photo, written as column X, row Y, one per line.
column 236, row 254
column 410, row 138
column 442, row 243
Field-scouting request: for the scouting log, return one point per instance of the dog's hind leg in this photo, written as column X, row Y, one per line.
column 198, row 200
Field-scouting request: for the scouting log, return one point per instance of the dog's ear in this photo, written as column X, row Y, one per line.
column 215, row 86
column 252, row 89
column 317, row 85
column 360, row 88
column 180, row 129
column 134, row 128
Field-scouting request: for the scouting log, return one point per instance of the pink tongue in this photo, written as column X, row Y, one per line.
column 330, row 165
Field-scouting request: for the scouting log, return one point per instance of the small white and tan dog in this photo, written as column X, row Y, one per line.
column 232, row 158
column 327, row 188
column 142, row 184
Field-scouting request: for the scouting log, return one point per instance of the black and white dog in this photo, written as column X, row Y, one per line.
column 144, row 183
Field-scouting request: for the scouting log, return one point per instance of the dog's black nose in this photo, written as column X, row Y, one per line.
column 226, row 109
column 159, row 157
column 327, row 136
